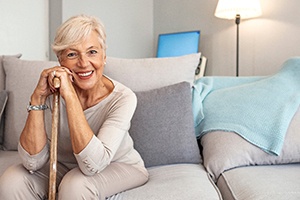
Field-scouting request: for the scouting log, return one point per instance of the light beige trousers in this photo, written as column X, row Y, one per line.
column 18, row 184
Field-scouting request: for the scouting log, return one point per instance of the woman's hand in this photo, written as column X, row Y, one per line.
column 45, row 86
column 66, row 79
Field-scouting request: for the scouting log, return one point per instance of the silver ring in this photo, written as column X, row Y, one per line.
column 54, row 73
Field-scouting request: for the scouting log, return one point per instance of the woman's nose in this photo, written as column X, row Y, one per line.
column 83, row 60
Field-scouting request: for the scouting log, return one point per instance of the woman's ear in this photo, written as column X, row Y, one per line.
column 104, row 60
column 58, row 58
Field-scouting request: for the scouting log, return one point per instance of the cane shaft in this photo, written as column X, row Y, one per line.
column 53, row 146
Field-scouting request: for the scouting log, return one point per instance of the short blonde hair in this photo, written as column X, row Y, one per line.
column 72, row 31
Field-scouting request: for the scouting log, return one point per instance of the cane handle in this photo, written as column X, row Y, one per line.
column 56, row 82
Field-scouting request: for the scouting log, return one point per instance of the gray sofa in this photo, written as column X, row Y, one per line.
column 224, row 167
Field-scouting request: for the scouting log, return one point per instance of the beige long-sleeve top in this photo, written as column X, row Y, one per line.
column 110, row 122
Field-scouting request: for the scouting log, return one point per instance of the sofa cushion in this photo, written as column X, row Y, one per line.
column 2, row 74
column 3, row 100
column 151, row 73
column 162, row 126
column 226, row 150
column 21, row 79
column 274, row 182
column 175, row 182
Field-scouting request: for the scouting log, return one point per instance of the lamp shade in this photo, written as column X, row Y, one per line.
column 228, row 9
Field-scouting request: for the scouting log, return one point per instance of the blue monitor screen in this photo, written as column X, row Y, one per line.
column 178, row 44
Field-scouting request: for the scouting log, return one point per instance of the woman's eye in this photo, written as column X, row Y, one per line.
column 91, row 52
column 72, row 55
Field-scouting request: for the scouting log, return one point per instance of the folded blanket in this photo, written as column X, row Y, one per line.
column 259, row 109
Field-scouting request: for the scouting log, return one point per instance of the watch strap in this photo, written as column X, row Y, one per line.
column 36, row 107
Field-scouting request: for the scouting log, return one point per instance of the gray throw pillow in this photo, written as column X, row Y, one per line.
column 3, row 100
column 162, row 127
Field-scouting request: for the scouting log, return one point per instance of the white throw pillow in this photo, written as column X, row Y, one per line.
column 151, row 73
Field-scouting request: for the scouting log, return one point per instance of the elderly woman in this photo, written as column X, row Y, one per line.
column 96, row 157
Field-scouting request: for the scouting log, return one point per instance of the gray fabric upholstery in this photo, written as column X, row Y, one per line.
column 3, row 100
column 176, row 182
column 234, row 151
column 276, row 182
column 162, row 126
column 151, row 73
column 2, row 87
column 2, row 74
column 21, row 79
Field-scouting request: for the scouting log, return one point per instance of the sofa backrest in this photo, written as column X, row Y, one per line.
column 152, row 77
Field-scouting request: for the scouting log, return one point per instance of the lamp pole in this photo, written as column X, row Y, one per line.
column 237, row 22
column 229, row 9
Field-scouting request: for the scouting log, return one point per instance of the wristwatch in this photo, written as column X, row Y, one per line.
column 36, row 107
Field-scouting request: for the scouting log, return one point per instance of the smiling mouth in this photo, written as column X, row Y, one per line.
column 85, row 74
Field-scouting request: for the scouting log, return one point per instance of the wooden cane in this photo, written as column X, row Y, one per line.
column 53, row 147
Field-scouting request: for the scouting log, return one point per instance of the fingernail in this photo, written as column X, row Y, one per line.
column 71, row 78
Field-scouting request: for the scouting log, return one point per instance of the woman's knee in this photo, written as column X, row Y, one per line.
column 12, row 179
column 74, row 185
column 16, row 182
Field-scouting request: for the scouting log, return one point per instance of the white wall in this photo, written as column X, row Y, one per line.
column 265, row 42
column 133, row 25
column 24, row 28
column 24, row 25
column 129, row 24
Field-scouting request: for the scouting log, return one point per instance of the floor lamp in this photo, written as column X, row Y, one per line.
column 238, row 9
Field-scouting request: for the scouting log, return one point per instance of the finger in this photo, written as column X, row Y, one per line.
column 51, row 76
column 71, row 78
column 67, row 70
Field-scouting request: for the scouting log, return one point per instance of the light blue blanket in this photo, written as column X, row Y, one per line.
column 259, row 109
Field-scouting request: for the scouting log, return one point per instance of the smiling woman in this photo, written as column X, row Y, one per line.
column 86, row 61
column 96, row 157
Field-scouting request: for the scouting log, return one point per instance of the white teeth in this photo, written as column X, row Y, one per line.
column 85, row 74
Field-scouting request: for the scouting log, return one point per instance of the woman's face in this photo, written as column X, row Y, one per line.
column 86, row 61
